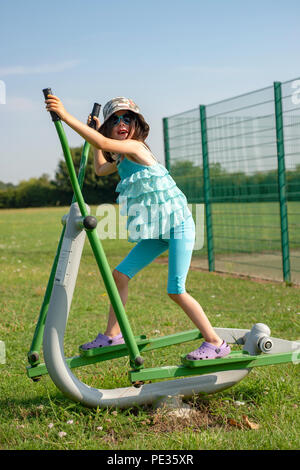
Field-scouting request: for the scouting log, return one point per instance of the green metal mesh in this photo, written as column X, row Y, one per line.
column 291, row 121
column 243, row 163
column 185, row 153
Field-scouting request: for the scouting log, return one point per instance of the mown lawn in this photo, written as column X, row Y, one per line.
column 37, row 415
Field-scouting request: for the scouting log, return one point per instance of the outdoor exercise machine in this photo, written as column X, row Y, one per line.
column 206, row 376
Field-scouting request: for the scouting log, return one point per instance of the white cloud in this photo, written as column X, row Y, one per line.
column 20, row 104
column 38, row 69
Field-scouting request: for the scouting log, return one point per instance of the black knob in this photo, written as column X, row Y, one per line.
column 33, row 357
column 139, row 361
column 90, row 222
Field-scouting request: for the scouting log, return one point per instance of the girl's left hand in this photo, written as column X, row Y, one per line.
column 53, row 103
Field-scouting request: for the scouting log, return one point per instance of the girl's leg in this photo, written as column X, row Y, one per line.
column 138, row 258
column 195, row 312
column 121, row 281
column 112, row 333
column 180, row 253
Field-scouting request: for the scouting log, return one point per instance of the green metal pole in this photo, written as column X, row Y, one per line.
column 34, row 352
column 206, row 187
column 166, row 143
column 113, row 293
column 282, row 183
column 71, row 169
column 83, row 164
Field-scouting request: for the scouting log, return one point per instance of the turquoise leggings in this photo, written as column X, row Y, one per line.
column 180, row 244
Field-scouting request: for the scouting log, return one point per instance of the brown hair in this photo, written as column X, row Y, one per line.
column 140, row 133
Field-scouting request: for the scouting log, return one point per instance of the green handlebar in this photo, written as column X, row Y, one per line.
column 113, row 293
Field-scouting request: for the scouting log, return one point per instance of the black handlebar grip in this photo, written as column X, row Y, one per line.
column 95, row 112
column 48, row 91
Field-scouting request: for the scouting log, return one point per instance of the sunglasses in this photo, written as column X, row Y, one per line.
column 126, row 118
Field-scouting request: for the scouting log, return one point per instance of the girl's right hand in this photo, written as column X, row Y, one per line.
column 96, row 119
column 53, row 103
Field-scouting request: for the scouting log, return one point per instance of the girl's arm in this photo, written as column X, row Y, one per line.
column 101, row 165
column 130, row 147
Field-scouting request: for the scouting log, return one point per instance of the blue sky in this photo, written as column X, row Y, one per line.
column 167, row 55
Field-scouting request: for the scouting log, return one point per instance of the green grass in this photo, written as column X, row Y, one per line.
column 32, row 415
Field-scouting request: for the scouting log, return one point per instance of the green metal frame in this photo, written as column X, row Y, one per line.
column 166, row 143
column 34, row 352
column 108, row 353
column 206, row 188
column 100, row 257
column 232, row 362
column 282, row 183
column 99, row 254
column 236, row 360
column 134, row 345
column 252, row 144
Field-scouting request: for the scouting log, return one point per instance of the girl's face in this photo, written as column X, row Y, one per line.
column 122, row 130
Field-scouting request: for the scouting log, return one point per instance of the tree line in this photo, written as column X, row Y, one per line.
column 224, row 186
column 43, row 191
column 228, row 186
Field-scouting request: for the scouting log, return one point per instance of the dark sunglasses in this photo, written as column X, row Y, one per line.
column 126, row 118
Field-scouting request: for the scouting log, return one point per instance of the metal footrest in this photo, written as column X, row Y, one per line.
column 235, row 360
column 233, row 357
column 112, row 350
column 107, row 353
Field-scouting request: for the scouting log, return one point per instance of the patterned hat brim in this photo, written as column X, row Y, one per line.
column 119, row 104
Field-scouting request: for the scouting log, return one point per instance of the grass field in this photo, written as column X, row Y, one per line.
column 37, row 415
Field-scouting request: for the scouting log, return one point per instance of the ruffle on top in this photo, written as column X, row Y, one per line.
column 151, row 199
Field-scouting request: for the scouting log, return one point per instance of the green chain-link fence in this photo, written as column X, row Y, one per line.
column 241, row 158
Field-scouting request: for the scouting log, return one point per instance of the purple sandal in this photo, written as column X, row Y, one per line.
column 209, row 351
column 102, row 341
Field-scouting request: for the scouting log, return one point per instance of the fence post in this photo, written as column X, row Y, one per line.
column 206, row 188
column 166, row 143
column 282, row 183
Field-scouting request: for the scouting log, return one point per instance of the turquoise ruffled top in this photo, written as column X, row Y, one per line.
column 150, row 199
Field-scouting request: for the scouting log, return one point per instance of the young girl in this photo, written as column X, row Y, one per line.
column 163, row 221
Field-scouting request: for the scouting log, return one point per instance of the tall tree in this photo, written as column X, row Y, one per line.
column 96, row 189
